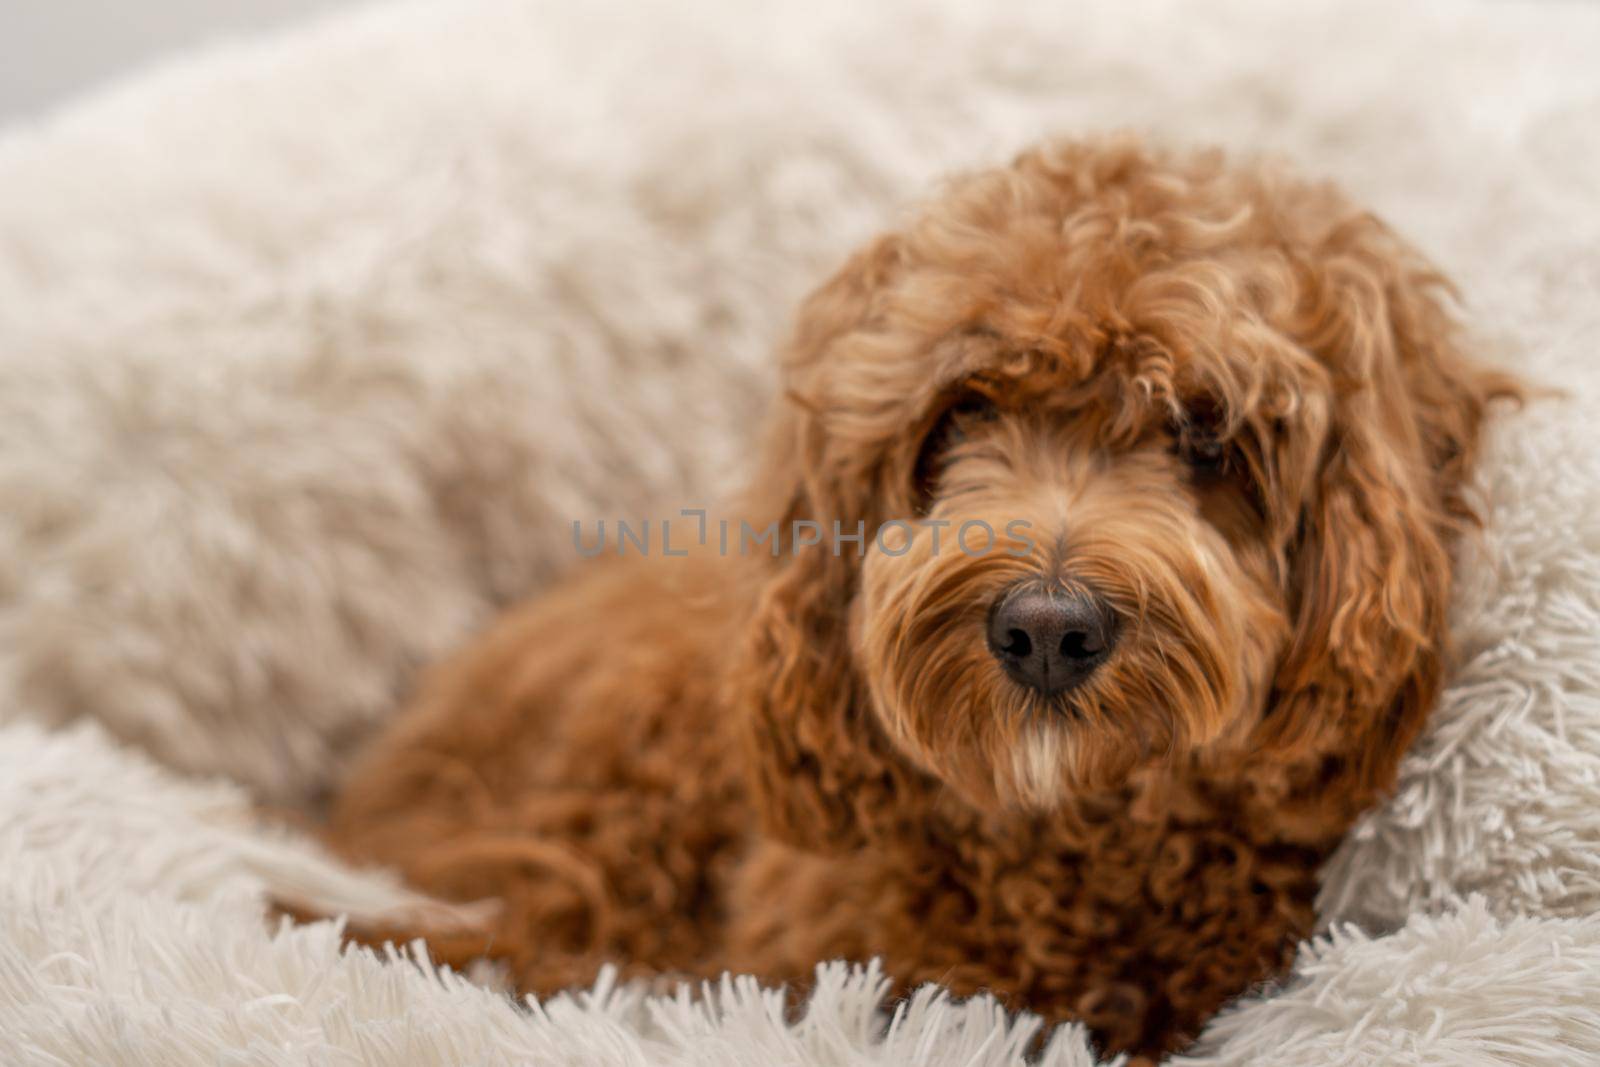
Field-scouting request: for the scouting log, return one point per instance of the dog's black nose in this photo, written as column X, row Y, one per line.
column 1051, row 640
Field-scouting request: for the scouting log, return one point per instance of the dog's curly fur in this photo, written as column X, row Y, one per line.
column 1224, row 399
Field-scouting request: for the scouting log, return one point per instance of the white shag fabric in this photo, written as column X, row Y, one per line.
column 311, row 350
column 131, row 933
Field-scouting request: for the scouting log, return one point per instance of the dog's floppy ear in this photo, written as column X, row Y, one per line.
column 823, row 773
column 1370, row 564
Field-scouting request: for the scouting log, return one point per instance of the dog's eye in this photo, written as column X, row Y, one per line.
column 955, row 420
column 1199, row 441
column 1203, row 451
column 964, row 411
column 971, row 405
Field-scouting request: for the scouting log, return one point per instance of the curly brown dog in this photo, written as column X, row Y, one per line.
column 1137, row 476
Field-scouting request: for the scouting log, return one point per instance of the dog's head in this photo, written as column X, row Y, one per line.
column 1150, row 460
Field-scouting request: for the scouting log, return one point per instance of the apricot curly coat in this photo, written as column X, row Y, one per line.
column 1223, row 399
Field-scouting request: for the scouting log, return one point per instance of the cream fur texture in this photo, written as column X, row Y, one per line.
column 311, row 350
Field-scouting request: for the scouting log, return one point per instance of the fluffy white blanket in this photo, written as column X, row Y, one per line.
column 310, row 350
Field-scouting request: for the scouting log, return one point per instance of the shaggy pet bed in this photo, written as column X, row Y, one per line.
column 311, row 350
